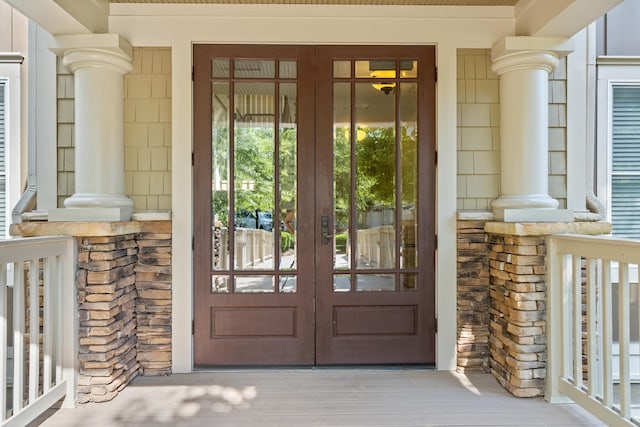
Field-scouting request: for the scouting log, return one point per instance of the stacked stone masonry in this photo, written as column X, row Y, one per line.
column 517, row 314
column 105, row 279
column 473, row 297
column 153, row 306
column 124, row 297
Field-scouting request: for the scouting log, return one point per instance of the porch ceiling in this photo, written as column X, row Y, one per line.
column 349, row 2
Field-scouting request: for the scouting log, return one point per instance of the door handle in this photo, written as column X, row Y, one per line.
column 324, row 229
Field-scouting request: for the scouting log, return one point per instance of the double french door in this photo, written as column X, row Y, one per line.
column 314, row 180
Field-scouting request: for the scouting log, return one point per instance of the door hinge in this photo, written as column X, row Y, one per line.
column 436, row 157
column 193, row 327
column 435, row 74
column 193, row 159
column 193, row 73
column 193, row 243
column 435, row 242
column 435, row 324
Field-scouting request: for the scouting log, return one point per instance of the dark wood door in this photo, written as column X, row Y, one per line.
column 376, row 133
column 314, row 171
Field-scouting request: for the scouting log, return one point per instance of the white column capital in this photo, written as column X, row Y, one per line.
column 76, row 59
column 558, row 46
column 100, row 50
column 525, row 60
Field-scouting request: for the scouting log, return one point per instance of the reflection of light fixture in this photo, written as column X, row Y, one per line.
column 384, row 87
column 360, row 134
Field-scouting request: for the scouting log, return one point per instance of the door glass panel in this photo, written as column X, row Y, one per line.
column 288, row 69
column 254, row 284
column 288, row 176
column 342, row 174
column 254, row 198
column 220, row 175
column 408, row 69
column 220, row 68
column 375, row 177
column 375, row 282
column 409, row 171
column 287, row 284
column 408, row 282
column 342, row 69
column 341, row 283
column 219, row 284
column 254, row 68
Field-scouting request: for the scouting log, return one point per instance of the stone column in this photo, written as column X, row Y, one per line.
column 98, row 63
column 524, row 64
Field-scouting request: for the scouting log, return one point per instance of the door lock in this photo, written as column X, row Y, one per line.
column 324, row 229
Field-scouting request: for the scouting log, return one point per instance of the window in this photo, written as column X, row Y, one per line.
column 625, row 160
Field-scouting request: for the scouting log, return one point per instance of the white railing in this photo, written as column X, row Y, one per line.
column 252, row 247
column 37, row 287
column 584, row 318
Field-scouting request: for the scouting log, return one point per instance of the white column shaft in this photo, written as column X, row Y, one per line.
column 524, row 132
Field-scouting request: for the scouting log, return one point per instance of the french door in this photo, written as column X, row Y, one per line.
column 314, row 171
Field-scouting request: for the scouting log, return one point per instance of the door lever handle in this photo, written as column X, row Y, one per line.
column 324, row 229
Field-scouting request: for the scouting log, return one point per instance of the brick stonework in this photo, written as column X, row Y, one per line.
column 473, row 297
column 518, row 313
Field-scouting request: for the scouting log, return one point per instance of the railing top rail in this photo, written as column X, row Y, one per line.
column 26, row 248
column 602, row 247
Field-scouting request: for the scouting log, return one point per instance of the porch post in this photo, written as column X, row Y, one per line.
column 524, row 64
column 98, row 62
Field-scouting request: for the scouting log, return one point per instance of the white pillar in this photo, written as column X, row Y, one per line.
column 98, row 63
column 524, row 64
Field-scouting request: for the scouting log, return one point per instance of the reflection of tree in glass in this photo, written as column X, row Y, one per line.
column 254, row 169
column 220, row 174
column 375, row 170
column 288, row 138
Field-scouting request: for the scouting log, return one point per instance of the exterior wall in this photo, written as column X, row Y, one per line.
column 147, row 135
column 478, row 131
column 147, row 131
column 558, row 134
column 66, row 142
column 478, row 143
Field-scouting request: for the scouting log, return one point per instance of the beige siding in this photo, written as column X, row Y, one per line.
column 66, row 143
column 558, row 134
column 479, row 132
column 147, row 136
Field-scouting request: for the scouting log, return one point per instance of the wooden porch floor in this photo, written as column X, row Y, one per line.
column 319, row 397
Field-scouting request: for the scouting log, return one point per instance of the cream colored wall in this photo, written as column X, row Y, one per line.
column 66, row 143
column 558, row 134
column 147, row 134
column 478, row 131
column 478, row 142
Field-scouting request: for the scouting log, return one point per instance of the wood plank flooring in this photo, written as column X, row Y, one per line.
column 319, row 397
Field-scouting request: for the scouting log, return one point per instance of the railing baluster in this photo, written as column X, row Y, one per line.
column 18, row 335
column 47, row 325
column 607, row 335
column 567, row 320
column 577, row 322
column 623, row 334
column 34, row 331
column 592, row 353
column 58, row 282
column 3, row 342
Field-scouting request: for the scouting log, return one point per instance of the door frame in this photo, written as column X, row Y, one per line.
column 181, row 160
